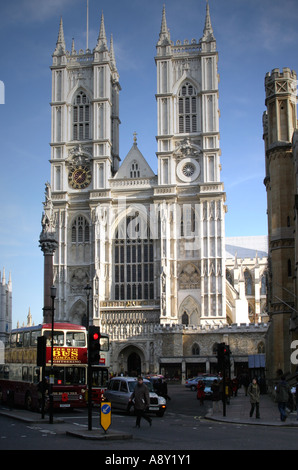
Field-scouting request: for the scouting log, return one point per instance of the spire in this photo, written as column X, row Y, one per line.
column 60, row 46
column 29, row 318
column 9, row 281
column 73, row 50
column 101, row 45
column 164, row 26
column 236, row 261
column 113, row 61
column 164, row 35
column 208, row 35
column 112, row 54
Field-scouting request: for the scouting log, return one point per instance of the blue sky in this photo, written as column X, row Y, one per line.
column 253, row 37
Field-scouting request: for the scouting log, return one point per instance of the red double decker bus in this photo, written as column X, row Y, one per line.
column 20, row 377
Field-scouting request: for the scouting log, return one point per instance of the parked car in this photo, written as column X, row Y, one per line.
column 208, row 381
column 120, row 390
column 193, row 382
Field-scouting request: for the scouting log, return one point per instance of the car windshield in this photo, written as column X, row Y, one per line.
column 132, row 385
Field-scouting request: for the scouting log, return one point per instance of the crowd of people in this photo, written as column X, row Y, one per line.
column 231, row 389
column 286, row 397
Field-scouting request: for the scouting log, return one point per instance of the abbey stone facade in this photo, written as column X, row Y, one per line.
column 152, row 247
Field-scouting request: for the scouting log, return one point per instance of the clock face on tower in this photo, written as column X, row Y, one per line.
column 79, row 177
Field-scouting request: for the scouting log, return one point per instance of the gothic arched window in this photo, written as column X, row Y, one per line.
column 195, row 350
column 133, row 261
column 264, row 284
column 187, row 109
column 185, row 319
column 80, row 232
column 248, row 282
column 261, row 348
column 81, row 117
column 134, row 170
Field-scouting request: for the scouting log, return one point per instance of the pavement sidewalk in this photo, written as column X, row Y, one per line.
column 238, row 412
column 60, row 426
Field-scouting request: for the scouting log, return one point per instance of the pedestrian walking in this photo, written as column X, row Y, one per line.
column 201, row 391
column 283, row 391
column 142, row 402
column 254, row 395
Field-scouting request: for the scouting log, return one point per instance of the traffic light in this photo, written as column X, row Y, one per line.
column 220, row 353
column 223, row 355
column 227, row 354
column 94, row 345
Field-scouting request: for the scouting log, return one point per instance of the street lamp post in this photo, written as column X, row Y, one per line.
column 53, row 296
column 88, row 289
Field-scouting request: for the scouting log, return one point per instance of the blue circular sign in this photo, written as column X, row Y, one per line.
column 106, row 409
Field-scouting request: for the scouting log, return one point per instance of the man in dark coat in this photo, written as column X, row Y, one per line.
column 142, row 401
column 282, row 397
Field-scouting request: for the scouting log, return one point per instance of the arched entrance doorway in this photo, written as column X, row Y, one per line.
column 134, row 365
column 132, row 361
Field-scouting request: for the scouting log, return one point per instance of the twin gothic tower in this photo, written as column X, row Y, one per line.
column 151, row 246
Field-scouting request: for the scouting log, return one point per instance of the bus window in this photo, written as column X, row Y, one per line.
column 19, row 340
column 104, row 343
column 76, row 339
column 4, row 372
column 100, row 377
column 26, row 376
column 105, row 377
column 36, row 375
column 13, row 340
column 27, row 339
column 34, row 336
column 58, row 338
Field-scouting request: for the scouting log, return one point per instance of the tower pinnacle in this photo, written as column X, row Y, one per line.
column 101, row 45
column 164, row 35
column 60, row 45
column 208, row 35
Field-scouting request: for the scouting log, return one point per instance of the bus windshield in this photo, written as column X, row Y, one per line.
column 67, row 375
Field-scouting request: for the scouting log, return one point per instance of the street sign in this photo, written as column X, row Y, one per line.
column 105, row 415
